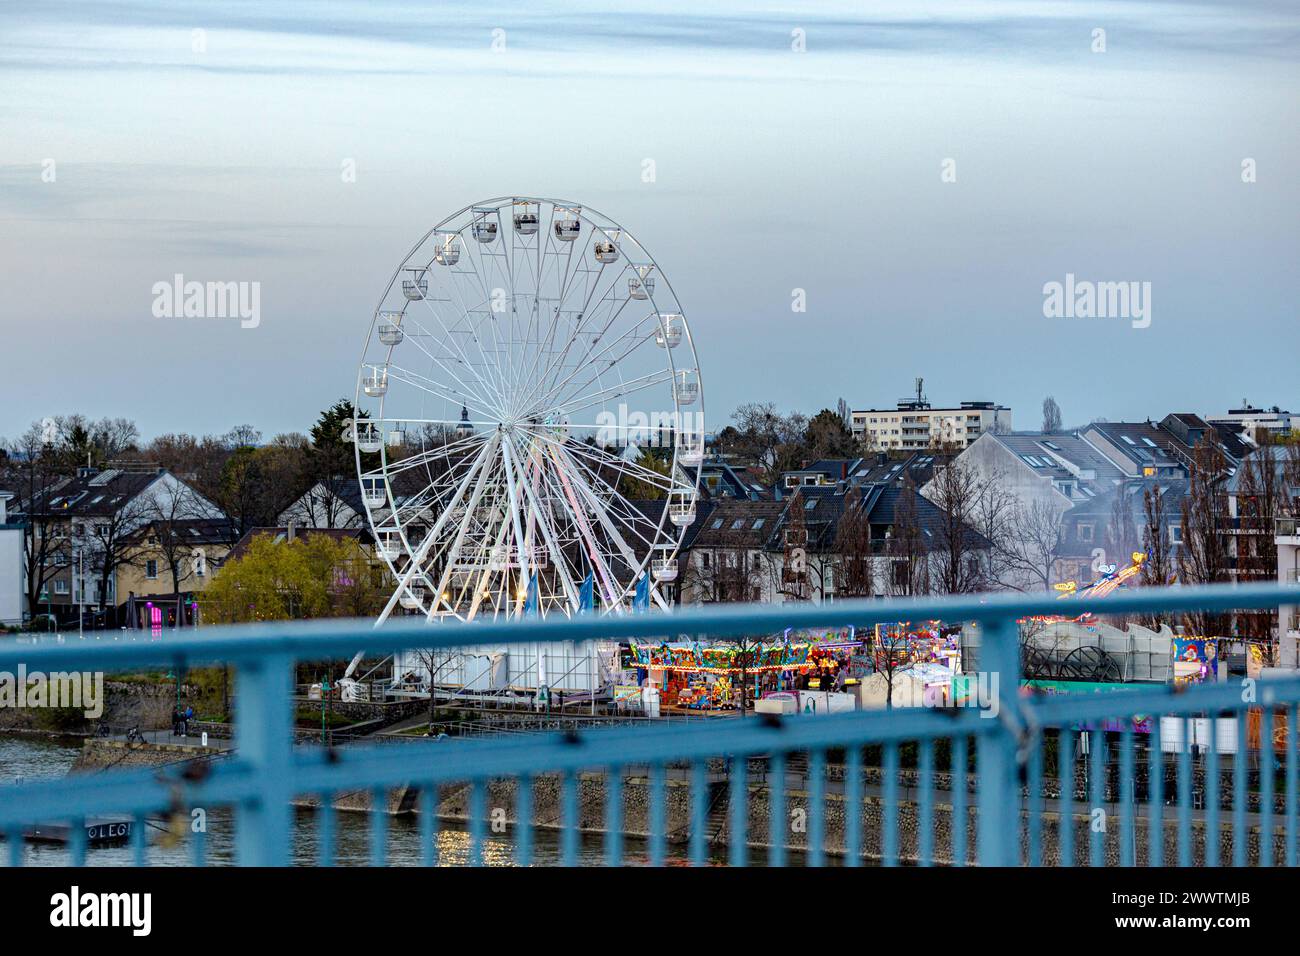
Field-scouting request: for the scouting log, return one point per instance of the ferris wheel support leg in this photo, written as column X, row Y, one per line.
column 454, row 553
column 557, row 555
column 521, row 591
column 352, row 666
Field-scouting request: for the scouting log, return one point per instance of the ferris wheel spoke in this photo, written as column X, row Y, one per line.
column 550, row 537
column 424, row 383
column 417, row 559
column 591, row 315
column 452, row 555
column 611, row 501
column 450, row 335
column 622, row 389
column 589, row 362
column 577, row 512
column 622, row 467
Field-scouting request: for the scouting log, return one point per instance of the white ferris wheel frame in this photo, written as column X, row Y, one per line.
column 522, row 502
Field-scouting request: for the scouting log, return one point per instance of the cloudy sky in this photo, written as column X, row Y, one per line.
column 220, row 155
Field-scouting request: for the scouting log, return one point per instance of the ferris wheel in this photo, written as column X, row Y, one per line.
column 530, row 417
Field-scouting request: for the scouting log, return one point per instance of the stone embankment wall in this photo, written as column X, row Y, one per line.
column 547, row 812
column 126, row 704
column 98, row 753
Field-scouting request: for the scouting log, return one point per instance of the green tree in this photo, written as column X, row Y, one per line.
column 828, row 437
column 310, row 577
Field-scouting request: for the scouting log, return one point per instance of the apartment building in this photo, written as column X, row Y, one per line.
column 915, row 425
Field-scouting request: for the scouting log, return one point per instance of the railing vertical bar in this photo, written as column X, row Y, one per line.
column 853, row 806
column 1211, row 791
column 1240, row 836
column 614, row 816
column 77, row 841
column 998, row 795
column 524, row 821
column 1127, row 786
column 776, row 811
column 428, row 825
column 264, row 740
column 1065, row 797
column 200, row 837
column 1291, row 795
column 926, row 804
column 1097, row 796
column 699, row 810
column 1185, row 795
column 889, row 821
column 325, row 831
column 738, row 810
column 378, row 826
column 478, row 820
column 1266, row 786
column 957, row 775
column 138, row 843
column 570, row 834
column 816, row 808
column 658, row 826
column 1155, row 795
column 1034, row 800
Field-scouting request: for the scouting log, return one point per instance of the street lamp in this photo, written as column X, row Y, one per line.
column 325, row 689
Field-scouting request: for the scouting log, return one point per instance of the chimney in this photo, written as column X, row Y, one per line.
column 291, row 530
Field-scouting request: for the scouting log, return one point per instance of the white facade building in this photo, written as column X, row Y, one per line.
column 1288, row 572
column 12, row 600
column 1256, row 423
column 915, row 426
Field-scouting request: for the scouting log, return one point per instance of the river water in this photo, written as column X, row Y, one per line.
column 29, row 759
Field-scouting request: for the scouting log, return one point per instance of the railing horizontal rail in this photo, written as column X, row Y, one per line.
column 326, row 638
column 1010, row 742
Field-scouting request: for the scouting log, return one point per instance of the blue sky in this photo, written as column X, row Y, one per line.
column 775, row 170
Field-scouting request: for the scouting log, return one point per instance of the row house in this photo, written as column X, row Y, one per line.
column 85, row 533
column 819, row 544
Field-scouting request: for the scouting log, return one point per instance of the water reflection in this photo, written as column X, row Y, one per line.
column 33, row 759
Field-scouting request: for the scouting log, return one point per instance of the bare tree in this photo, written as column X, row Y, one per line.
column 906, row 546
column 37, row 474
column 166, row 519
column 1203, row 557
column 108, row 543
column 1158, row 565
column 1051, row 416
column 794, row 572
column 1033, row 545
column 854, row 547
column 1122, row 537
column 1260, row 499
column 959, row 566
column 846, row 414
column 721, row 575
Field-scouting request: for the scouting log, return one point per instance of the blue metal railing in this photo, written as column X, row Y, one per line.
column 881, row 786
